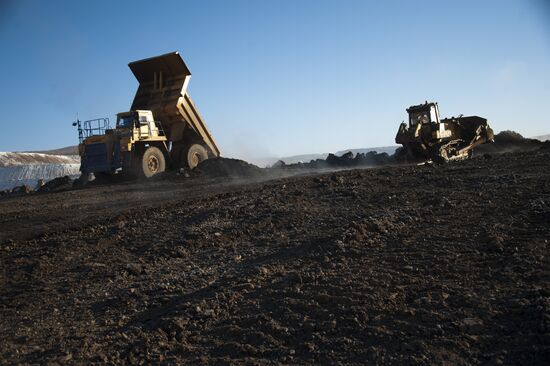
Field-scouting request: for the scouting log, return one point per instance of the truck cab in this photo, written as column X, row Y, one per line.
column 141, row 122
column 138, row 126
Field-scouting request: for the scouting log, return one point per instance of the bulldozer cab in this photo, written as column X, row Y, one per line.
column 423, row 114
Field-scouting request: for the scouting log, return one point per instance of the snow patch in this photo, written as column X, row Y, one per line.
column 13, row 176
column 8, row 159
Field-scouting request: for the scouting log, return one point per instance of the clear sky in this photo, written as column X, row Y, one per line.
column 277, row 78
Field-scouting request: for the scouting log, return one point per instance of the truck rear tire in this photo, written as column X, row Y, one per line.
column 152, row 162
column 195, row 154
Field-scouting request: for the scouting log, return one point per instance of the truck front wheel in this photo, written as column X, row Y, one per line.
column 152, row 162
column 195, row 155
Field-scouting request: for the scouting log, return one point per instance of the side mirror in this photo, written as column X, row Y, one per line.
column 74, row 123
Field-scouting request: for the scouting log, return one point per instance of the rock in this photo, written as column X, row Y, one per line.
column 183, row 172
column 20, row 190
column 471, row 325
column 39, row 184
column 57, row 184
column 134, row 268
column 279, row 164
column 337, row 179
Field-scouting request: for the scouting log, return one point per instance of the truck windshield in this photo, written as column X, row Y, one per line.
column 419, row 117
column 126, row 122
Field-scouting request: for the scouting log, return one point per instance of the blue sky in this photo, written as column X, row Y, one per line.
column 277, row 78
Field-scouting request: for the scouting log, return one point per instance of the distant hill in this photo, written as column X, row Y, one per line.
column 69, row 150
column 543, row 137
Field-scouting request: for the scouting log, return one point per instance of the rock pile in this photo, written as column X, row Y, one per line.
column 347, row 160
column 510, row 141
column 57, row 184
column 225, row 167
column 21, row 190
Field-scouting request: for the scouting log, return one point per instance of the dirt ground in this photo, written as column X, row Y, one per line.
column 394, row 265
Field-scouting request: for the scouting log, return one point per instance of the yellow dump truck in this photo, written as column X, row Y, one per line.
column 163, row 130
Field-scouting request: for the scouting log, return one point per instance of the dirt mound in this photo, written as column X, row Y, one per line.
column 57, row 184
column 509, row 141
column 54, row 185
column 21, row 190
column 509, row 137
column 226, row 167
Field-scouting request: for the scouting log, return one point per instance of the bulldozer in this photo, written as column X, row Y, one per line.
column 163, row 129
column 427, row 137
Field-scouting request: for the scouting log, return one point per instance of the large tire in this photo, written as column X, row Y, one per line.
column 152, row 162
column 194, row 155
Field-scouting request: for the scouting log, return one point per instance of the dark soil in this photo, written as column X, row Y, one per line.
column 395, row 265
